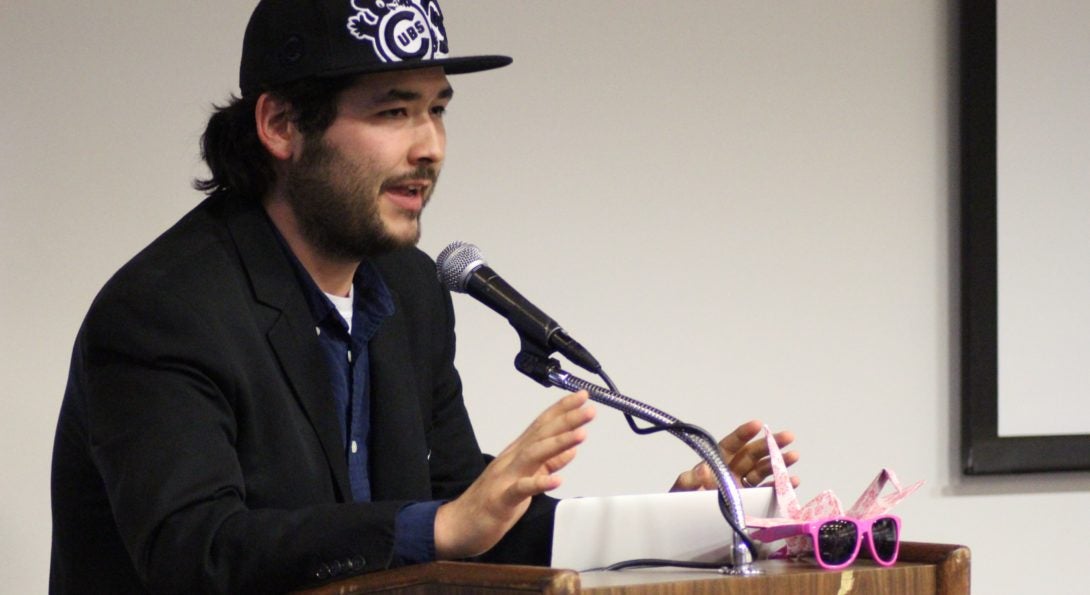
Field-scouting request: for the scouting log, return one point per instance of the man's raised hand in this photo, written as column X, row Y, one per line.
column 475, row 521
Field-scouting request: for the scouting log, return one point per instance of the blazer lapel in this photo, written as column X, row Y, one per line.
column 291, row 329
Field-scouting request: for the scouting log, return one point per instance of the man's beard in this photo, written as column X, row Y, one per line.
column 336, row 202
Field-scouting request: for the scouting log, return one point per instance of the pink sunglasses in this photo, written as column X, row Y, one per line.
column 837, row 540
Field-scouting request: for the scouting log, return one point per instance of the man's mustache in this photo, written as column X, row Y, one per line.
column 422, row 172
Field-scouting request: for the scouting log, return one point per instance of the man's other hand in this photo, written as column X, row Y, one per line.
column 746, row 457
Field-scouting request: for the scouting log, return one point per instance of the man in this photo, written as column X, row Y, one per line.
column 265, row 396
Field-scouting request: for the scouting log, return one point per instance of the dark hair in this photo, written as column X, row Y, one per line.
column 235, row 156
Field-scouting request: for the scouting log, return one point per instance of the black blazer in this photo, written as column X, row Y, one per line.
column 198, row 449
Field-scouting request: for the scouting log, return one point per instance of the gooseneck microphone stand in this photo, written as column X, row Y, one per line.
column 460, row 267
column 536, row 364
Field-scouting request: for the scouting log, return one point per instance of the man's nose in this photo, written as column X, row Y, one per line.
column 429, row 143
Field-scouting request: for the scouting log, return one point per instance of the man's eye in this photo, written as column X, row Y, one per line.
column 397, row 112
column 439, row 110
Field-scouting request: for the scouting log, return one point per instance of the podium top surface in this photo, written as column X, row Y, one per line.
column 921, row 569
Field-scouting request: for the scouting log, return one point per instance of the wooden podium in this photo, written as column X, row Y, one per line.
column 922, row 568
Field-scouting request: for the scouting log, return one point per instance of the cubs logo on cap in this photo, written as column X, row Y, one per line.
column 400, row 29
column 288, row 40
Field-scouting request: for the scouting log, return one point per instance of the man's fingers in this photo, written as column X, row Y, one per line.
column 686, row 481
column 755, row 449
column 762, row 470
column 554, row 434
column 530, row 486
column 783, row 439
column 737, row 440
column 571, row 419
column 755, row 452
column 748, row 459
column 564, row 415
column 547, row 421
column 763, row 464
column 570, row 402
column 758, row 449
column 790, row 458
column 544, row 448
column 560, row 461
column 545, row 452
column 479, row 517
column 699, row 477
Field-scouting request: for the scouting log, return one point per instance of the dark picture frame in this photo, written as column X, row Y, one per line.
column 983, row 451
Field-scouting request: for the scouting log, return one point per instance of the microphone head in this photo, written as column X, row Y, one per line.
column 456, row 263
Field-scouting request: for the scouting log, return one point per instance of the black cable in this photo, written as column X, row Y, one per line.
column 609, row 381
column 659, row 562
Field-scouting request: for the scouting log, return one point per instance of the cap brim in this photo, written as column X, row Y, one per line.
column 467, row 64
column 454, row 65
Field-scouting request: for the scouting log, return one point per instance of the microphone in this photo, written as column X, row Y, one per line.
column 461, row 268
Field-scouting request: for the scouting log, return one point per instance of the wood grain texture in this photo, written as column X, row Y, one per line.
column 922, row 568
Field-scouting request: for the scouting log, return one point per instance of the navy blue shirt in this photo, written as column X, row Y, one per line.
column 346, row 353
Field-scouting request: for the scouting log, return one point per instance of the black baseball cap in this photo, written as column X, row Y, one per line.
column 288, row 40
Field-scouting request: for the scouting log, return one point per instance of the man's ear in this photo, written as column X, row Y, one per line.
column 275, row 128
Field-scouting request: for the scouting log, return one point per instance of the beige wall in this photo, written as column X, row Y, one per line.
column 746, row 209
